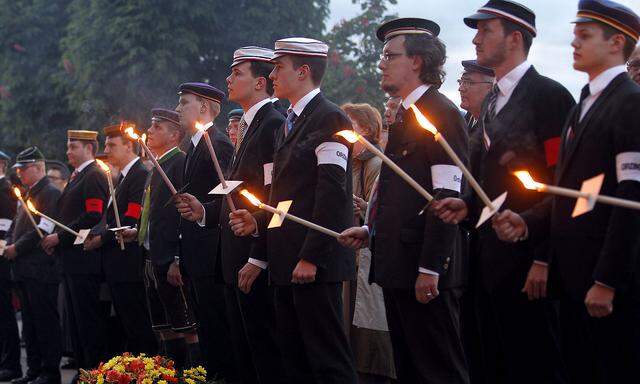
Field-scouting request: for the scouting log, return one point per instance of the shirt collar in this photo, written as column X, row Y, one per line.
column 195, row 139
column 414, row 96
column 511, row 79
column 84, row 165
column 166, row 153
column 302, row 103
column 127, row 167
column 601, row 81
column 251, row 113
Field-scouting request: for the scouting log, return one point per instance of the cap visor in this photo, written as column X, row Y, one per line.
column 583, row 19
column 472, row 21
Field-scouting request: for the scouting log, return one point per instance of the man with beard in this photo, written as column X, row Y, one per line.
column 417, row 258
column 521, row 122
column 594, row 257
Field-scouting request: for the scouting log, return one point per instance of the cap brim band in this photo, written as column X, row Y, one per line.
column 241, row 60
column 284, row 52
column 586, row 17
column 159, row 118
column 508, row 16
column 401, row 31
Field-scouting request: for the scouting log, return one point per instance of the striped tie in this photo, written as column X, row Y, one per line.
column 242, row 130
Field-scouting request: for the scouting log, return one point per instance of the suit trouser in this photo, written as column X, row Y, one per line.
column 86, row 318
column 426, row 337
column 251, row 317
column 213, row 330
column 602, row 350
column 310, row 325
column 9, row 337
column 130, row 302
column 518, row 338
column 41, row 326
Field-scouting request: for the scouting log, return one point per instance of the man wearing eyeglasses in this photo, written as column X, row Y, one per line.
column 474, row 84
column 633, row 65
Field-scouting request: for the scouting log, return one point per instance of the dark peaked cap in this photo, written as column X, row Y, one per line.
column 161, row 114
column 406, row 26
column 473, row 66
column 203, row 90
column 511, row 11
column 611, row 13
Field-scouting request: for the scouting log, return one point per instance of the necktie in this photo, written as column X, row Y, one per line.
column 189, row 154
column 242, row 130
column 291, row 119
column 74, row 174
column 493, row 100
column 575, row 123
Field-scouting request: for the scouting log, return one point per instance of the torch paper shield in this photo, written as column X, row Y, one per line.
column 221, row 190
column 3, row 246
column 487, row 212
column 592, row 187
column 82, row 236
column 278, row 219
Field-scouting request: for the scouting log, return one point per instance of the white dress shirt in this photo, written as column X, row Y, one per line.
column 597, row 85
column 509, row 82
column 302, row 103
column 414, row 96
column 83, row 165
column 251, row 112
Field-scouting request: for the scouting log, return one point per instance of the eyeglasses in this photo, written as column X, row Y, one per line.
column 467, row 83
column 634, row 64
column 388, row 56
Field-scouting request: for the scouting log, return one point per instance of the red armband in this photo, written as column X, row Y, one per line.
column 93, row 205
column 551, row 150
column 133, row 210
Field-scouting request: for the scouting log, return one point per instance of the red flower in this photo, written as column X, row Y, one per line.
column 135, row 366
column 170, row 379
column 113, row 376
column 124, row 379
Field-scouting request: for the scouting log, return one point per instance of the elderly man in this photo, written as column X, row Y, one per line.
column 633, row 65
column 234, row 121
column 474, row 85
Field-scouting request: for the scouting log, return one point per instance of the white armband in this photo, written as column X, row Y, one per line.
column 628, row 166
column 331, row 152
column 5, row 224
column 446, row 176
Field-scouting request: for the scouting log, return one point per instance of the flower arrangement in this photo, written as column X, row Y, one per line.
column 141, row 369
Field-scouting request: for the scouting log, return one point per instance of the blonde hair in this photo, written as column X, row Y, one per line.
column 367, row 117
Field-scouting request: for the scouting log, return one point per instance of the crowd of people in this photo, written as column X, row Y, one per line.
column 409, row 290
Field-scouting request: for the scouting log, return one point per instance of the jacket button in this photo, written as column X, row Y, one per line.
column 404, row 153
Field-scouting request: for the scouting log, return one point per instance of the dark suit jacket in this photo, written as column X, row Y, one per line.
column 602, row 244
column 118, row 265
column 164, row 243
column 321, row 194
column 81, row 206
column 525, row 134
column 403, row 240
column 32, row 262
column 199, row 246
column 253, row 157
column 8, row 205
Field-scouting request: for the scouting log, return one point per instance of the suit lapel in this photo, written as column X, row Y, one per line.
column 251, row 132
column 584, row 124
column 298, row 126
column 193, row 160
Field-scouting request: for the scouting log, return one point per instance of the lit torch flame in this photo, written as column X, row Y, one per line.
column 423, row 121
column 31, row 207
column 132, row 133
column 203, row 127
column 17, row 192
column 349, row 135
column 254, row 200
column 143, row 137
column 103, row 165
column 527, row 180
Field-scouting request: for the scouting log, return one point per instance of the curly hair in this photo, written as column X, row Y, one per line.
column 433, row 53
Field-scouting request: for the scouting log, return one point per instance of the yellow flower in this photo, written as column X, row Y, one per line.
column 189, row 381
column 162, row 382
column 100, row 379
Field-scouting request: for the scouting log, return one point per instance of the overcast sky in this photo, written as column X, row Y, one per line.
column 551, row 52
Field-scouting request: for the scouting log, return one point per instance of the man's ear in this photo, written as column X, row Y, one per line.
column 261, row 84
column 416, row 63
column 303, row 72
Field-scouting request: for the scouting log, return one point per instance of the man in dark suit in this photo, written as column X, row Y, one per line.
column 123, row 268
column 474, row 85
column 199, row 246
column 37, row 274
column 9, row 339
column 521, row 121
column 81, row 206
column 417, row 259
column 312, row 167
column 157, row 234
column 594, row 256
column 249, row 298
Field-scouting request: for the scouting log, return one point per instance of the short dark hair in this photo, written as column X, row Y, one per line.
column 527, row 38
column 317, row 65
column 263, row 69
column 629, row 45
column 433, row 53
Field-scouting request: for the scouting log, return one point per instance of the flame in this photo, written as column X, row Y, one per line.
column 17, row 192
column 31, row 207
column 103, row 165
column 130, row 131
column 143, row 137
column 527, row 180
column 254, row 200
column 349, row 135
column 203, row 127
column 423, row 121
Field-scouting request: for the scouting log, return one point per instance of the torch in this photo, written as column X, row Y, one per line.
column 352, row 136
column 18, row 194
column 80, row 236
column 587, row 196
column 280, row 213
column 112, row 192
column 133, row 135
column 491, row 207
column 225, row 187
